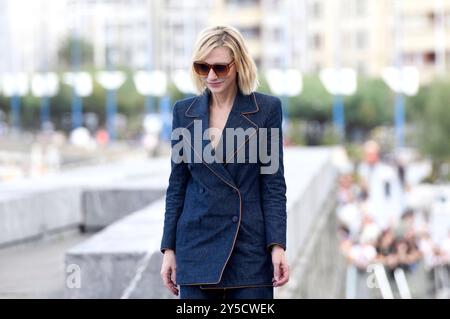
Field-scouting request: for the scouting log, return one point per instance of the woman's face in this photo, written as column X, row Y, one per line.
column 220, row 55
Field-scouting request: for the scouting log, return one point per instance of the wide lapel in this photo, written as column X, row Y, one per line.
column 199, row 110
column 243, row 106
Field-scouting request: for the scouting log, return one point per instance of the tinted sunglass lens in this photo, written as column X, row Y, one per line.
column 220, row 69
column 201, row 68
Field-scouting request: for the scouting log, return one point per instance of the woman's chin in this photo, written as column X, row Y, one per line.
column 217, row 89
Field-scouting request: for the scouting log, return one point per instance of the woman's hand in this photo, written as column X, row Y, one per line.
column 168, row 271
column 280, row 266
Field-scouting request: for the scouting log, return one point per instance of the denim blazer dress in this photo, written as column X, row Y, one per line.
column 221, row 217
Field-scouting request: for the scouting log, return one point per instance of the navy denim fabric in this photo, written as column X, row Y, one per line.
column 221, row 218
column 195, row 292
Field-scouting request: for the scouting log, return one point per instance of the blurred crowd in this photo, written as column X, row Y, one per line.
column 378, row 226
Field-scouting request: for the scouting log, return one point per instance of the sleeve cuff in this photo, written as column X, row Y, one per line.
column 269, row 247
column 163, row 249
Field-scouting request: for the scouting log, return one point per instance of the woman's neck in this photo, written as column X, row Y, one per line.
column 224, row 99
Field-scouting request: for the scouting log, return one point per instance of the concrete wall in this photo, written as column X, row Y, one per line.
column 31, row 216
column 316, row 265
column 89, row 198
column 319, row 269
column 110, row 260
column 102, row 207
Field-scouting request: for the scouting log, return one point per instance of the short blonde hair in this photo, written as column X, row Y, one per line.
column 226, row 36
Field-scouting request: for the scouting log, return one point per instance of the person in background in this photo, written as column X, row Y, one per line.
column 383, row 187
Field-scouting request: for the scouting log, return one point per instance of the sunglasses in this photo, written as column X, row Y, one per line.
column 221, row 70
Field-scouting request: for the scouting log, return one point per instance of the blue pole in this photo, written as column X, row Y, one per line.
column 339, row 115
column 399, row 107
column 399, row 120
column 149, row 104
column 45, row 100
column 165, row 116
column 111, row 97
column 15, row 108
column 335, row 113
column 77, row 102
column 77, row 110
column 111, row 110
column 45, row 110
column 149, row 100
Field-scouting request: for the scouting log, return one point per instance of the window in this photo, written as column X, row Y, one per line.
column 361, row 67
column 277, row 62
column 277, row 34
column 243, row 2
column 273, row 4
column 251, row 32
column 315, row 41
column 345, row 39
column 431, row 18
column 361, row 40
column 429, row 57
column 361, row 8
column 316, row 10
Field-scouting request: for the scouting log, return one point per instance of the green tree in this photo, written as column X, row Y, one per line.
column 433, row 123
column 66, row 49
column 371, row 105
column 314, row 103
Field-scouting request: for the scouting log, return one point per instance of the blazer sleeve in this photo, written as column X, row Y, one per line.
column 179, row 177
column 273, row 185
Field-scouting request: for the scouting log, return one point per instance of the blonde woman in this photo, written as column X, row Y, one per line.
column 225, row 218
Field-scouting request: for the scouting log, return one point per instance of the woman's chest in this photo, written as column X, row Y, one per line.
column 217, row 122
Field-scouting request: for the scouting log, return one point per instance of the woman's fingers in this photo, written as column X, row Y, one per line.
column 284, row 275
column 281, row 274
column 173, row 281
column 165, row 277
column 173, row 276
column 168, row 282
column 276, row 271
column 168, row 271
column 174, row 289
column 172, row 286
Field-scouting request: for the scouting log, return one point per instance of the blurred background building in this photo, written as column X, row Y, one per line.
column 306, row 34
column 32, row 33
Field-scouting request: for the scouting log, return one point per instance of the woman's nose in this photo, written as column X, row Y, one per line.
column 212, row 75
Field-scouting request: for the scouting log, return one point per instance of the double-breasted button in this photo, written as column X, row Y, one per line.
column 235, row 219
column 201, row 190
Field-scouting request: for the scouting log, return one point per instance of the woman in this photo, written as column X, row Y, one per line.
column 225, row 219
